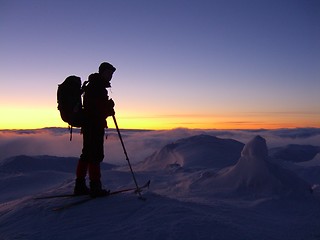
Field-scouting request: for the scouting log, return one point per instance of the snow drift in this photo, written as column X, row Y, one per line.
column 253, row 175
column 202, row 187
column 200, row 151
column 315, row 162
column 21, row 175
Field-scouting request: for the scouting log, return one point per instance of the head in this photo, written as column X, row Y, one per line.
column 106, row 71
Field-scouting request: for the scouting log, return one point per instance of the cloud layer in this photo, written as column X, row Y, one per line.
column 139, row 144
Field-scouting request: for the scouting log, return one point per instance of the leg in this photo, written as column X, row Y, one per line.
column 97, row 155
column 82, row 168
column 81, row 187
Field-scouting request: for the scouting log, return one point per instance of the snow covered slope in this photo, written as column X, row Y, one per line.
column 201, row 151
column 254, row 175
column 205, row 198
column 23, row 175
column 315, row 162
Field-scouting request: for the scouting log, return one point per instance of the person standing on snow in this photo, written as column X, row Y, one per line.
column 97, row 107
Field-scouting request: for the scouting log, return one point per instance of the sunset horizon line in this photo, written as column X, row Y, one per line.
column 165, row 129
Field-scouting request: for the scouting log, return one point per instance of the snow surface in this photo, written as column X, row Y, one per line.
column 202, row 187
column 315, row 162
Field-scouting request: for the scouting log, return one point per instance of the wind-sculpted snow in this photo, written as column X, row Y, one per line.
column 315, row 162
column 251, row 176
column 202, row 187
column 29, row 174
column 254, row 175
column 201, row 151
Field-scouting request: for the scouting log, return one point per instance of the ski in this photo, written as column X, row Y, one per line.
column 88, row 198
column 69, row 205
column 69, row 195
column 58, row 196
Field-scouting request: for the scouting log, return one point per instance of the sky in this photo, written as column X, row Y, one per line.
column 218, row 64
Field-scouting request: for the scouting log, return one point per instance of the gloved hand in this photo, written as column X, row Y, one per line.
column 111, row 103
column 110, row 108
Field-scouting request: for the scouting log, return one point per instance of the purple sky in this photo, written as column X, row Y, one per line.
column 202, row 64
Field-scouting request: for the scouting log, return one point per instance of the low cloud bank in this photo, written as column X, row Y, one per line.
column 139, row 144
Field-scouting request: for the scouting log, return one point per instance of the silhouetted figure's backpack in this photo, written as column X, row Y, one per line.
column 70, row 102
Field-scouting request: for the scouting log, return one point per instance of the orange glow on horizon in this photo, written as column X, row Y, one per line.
column 165, row 124
column 22, row 118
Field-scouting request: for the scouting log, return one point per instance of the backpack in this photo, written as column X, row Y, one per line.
column 70, row 102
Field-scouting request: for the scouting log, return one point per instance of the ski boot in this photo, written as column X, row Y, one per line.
column 81, row 188
column 96, row 190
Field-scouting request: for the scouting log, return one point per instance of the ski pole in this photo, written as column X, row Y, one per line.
column 127, row 158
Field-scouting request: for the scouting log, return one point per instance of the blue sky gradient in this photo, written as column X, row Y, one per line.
column 202, row 64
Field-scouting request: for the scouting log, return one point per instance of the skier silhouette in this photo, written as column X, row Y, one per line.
column 97, row 107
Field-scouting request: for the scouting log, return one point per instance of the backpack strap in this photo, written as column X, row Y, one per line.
column 83, row 89
column 70, row 130
column 84, row 86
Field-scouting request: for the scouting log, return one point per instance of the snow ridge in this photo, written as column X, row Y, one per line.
column 200, row 151
column 254, row 176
